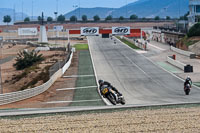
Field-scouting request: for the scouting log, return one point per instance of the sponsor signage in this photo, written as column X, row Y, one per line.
column 58, row 28
column 89, row 31
column 27, row 31
column 120, row 30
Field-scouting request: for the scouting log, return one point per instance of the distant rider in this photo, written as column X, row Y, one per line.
column 101, row 83
column 188, row 81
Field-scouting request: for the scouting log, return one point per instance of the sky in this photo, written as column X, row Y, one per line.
column 64, row 6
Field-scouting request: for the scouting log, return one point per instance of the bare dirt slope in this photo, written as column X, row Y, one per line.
column 158, row 120
column 51, row 94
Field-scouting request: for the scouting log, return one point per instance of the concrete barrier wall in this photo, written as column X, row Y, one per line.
column 186, row 53
column 176, row 63
column 28, row 93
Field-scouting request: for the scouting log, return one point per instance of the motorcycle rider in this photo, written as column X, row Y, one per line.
column 101, row 83
column 188, row 81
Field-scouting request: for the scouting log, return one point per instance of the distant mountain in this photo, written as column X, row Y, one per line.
column 142, row 8
column 90, row 12
column 10, row 12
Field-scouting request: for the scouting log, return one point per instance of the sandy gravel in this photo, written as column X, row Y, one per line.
column 157, row 120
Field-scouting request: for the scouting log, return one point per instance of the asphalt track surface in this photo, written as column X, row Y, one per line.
column 140, row 80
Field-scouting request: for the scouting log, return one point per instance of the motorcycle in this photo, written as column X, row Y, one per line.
column 111, row 95
column 187, row 89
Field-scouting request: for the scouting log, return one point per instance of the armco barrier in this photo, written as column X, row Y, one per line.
column 186, row 53
column 28, row 93
column 176, row 63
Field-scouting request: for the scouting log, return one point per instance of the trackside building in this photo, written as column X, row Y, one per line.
column 194, row 9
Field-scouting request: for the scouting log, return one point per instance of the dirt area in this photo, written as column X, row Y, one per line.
column 150, row 120
column 52, row 94
column 12, row 79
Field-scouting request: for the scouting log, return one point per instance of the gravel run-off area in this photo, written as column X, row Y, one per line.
column 132, row 120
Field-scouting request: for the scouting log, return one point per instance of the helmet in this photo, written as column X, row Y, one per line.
column 188, row 78
column 101, row 81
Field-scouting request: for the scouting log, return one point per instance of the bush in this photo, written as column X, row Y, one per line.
column 27, row 59
column 194, row 30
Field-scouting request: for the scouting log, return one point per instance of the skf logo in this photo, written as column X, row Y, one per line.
column 122, row 30
column 90, row 31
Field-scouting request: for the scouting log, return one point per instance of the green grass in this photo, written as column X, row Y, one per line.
column 128, row 43
column 197, row 84
column 81, row 46
column 85, row 68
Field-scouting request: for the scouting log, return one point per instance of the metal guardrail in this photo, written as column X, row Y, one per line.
column 28, row 93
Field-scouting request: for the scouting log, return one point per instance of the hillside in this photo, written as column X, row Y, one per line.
column 10, row 12
column 142, row 8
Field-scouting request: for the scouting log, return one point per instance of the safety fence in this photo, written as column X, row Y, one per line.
column 28, row 93
column 138, row 43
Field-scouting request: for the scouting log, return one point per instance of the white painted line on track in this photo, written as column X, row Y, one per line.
column 155, row 46
column 64, row 89
column 76, row 76
column 74, row 101
column 158, row 65
column 141, row 51
column 95, row 73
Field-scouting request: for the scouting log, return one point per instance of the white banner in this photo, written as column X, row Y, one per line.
column 121, row 30
column 58, row 28
column 89, row 31
column 27, row 31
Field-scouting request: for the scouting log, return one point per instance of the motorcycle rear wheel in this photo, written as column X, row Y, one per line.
column 187, row 91
column 111, row 98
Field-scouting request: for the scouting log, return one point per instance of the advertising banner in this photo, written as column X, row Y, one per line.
column 27, row 31
column 58, row 28
column 120, row 30
column 89, row 31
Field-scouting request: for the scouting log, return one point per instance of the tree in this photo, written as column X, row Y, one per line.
column 84, row 18
column 39, row 18
column 7, row 19
column 168, row 18
column 26, row 59
column 157, row 18
column 133, row 17
column 121, row 18
column 184, row 17
column 194, row 30
column 61, row 18
column 73, row 18
column 109, row 17
column 96, row 18
column 27, row 19
column 49, row 19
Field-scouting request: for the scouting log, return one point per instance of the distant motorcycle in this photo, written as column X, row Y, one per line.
column 187, row 89
column 111, row 95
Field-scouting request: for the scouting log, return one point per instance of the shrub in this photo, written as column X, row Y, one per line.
column 27, row 59
column 194, row 30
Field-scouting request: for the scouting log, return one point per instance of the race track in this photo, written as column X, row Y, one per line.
column 140, row 81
